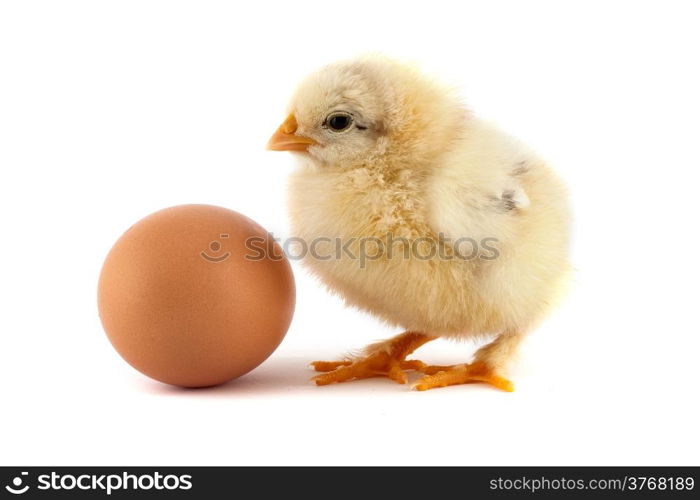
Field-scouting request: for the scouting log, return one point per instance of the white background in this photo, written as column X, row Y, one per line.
column 112, row 110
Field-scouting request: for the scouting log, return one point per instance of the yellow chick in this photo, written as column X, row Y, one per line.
column 424, row 215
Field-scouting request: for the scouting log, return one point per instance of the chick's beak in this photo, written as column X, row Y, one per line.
column 285, row 138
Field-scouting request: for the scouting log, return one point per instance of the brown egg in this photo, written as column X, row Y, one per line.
column 195, row 295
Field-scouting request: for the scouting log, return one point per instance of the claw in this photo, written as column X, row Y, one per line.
column 328, row 366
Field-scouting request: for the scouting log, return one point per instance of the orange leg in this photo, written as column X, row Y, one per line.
column 489, row 361
column 386, row 359
column 441, row 376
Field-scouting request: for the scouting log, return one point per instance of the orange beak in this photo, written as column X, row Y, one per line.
column 285, row 139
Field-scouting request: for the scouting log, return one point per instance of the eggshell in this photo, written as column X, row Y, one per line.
column 184, row 300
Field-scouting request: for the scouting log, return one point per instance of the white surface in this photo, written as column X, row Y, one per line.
column 110, row 111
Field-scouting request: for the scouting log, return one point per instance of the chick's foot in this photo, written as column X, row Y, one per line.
column 442, row 376
column 386, row 359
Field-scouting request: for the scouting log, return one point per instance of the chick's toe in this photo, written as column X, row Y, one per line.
column 442, row 376
column 386, row 359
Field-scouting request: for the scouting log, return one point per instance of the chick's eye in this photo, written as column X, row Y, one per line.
column 339, row 122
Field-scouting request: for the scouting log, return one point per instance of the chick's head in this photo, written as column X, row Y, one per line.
column 360, row 112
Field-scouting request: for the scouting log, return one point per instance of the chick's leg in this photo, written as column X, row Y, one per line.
column 386, row 359
column 489, row 363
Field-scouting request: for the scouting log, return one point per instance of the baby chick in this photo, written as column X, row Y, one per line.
column 424, row 215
